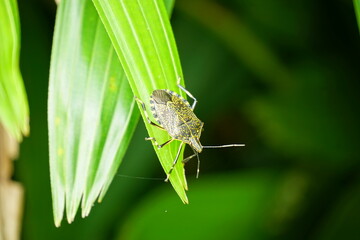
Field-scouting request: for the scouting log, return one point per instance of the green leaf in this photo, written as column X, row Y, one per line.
column 142, row 37
column 14, row 110
column 91, row 110
column 92, row 113
column 357, row 11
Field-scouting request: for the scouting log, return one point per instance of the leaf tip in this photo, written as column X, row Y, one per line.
column 58, row 211
column 186, row 187
column 86, row 210
column 84, row 214
column 70, row 213
column 184, row 198
column 70, row 219
column 57, row 222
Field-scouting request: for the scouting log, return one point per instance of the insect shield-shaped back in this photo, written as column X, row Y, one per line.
column 159, row 108
column 175, row 115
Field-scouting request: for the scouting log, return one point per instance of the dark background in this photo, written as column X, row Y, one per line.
column 294, row 103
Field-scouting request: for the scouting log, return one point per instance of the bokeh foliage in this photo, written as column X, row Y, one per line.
column 297, row 178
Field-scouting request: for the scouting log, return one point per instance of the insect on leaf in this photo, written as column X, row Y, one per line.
column 142, row 37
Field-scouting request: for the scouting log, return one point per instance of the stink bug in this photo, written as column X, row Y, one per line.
column 175, row 115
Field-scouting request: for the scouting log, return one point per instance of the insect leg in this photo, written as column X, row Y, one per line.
column 157, row 144
column 188, row 158
column 198, row 166
column 188, row 93
column 146, row 114
column 174, row 163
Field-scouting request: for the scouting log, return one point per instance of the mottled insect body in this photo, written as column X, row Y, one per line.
column 175, row 115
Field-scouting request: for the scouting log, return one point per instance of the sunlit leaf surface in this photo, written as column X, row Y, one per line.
column 142, row 37
column 14, row 110
column 91, row 114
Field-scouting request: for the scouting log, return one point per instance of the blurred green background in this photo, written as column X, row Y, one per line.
column 280, row 76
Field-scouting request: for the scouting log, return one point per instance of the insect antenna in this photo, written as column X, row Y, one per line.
column 225, row 146
column 141, row 178
column 197, row 154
